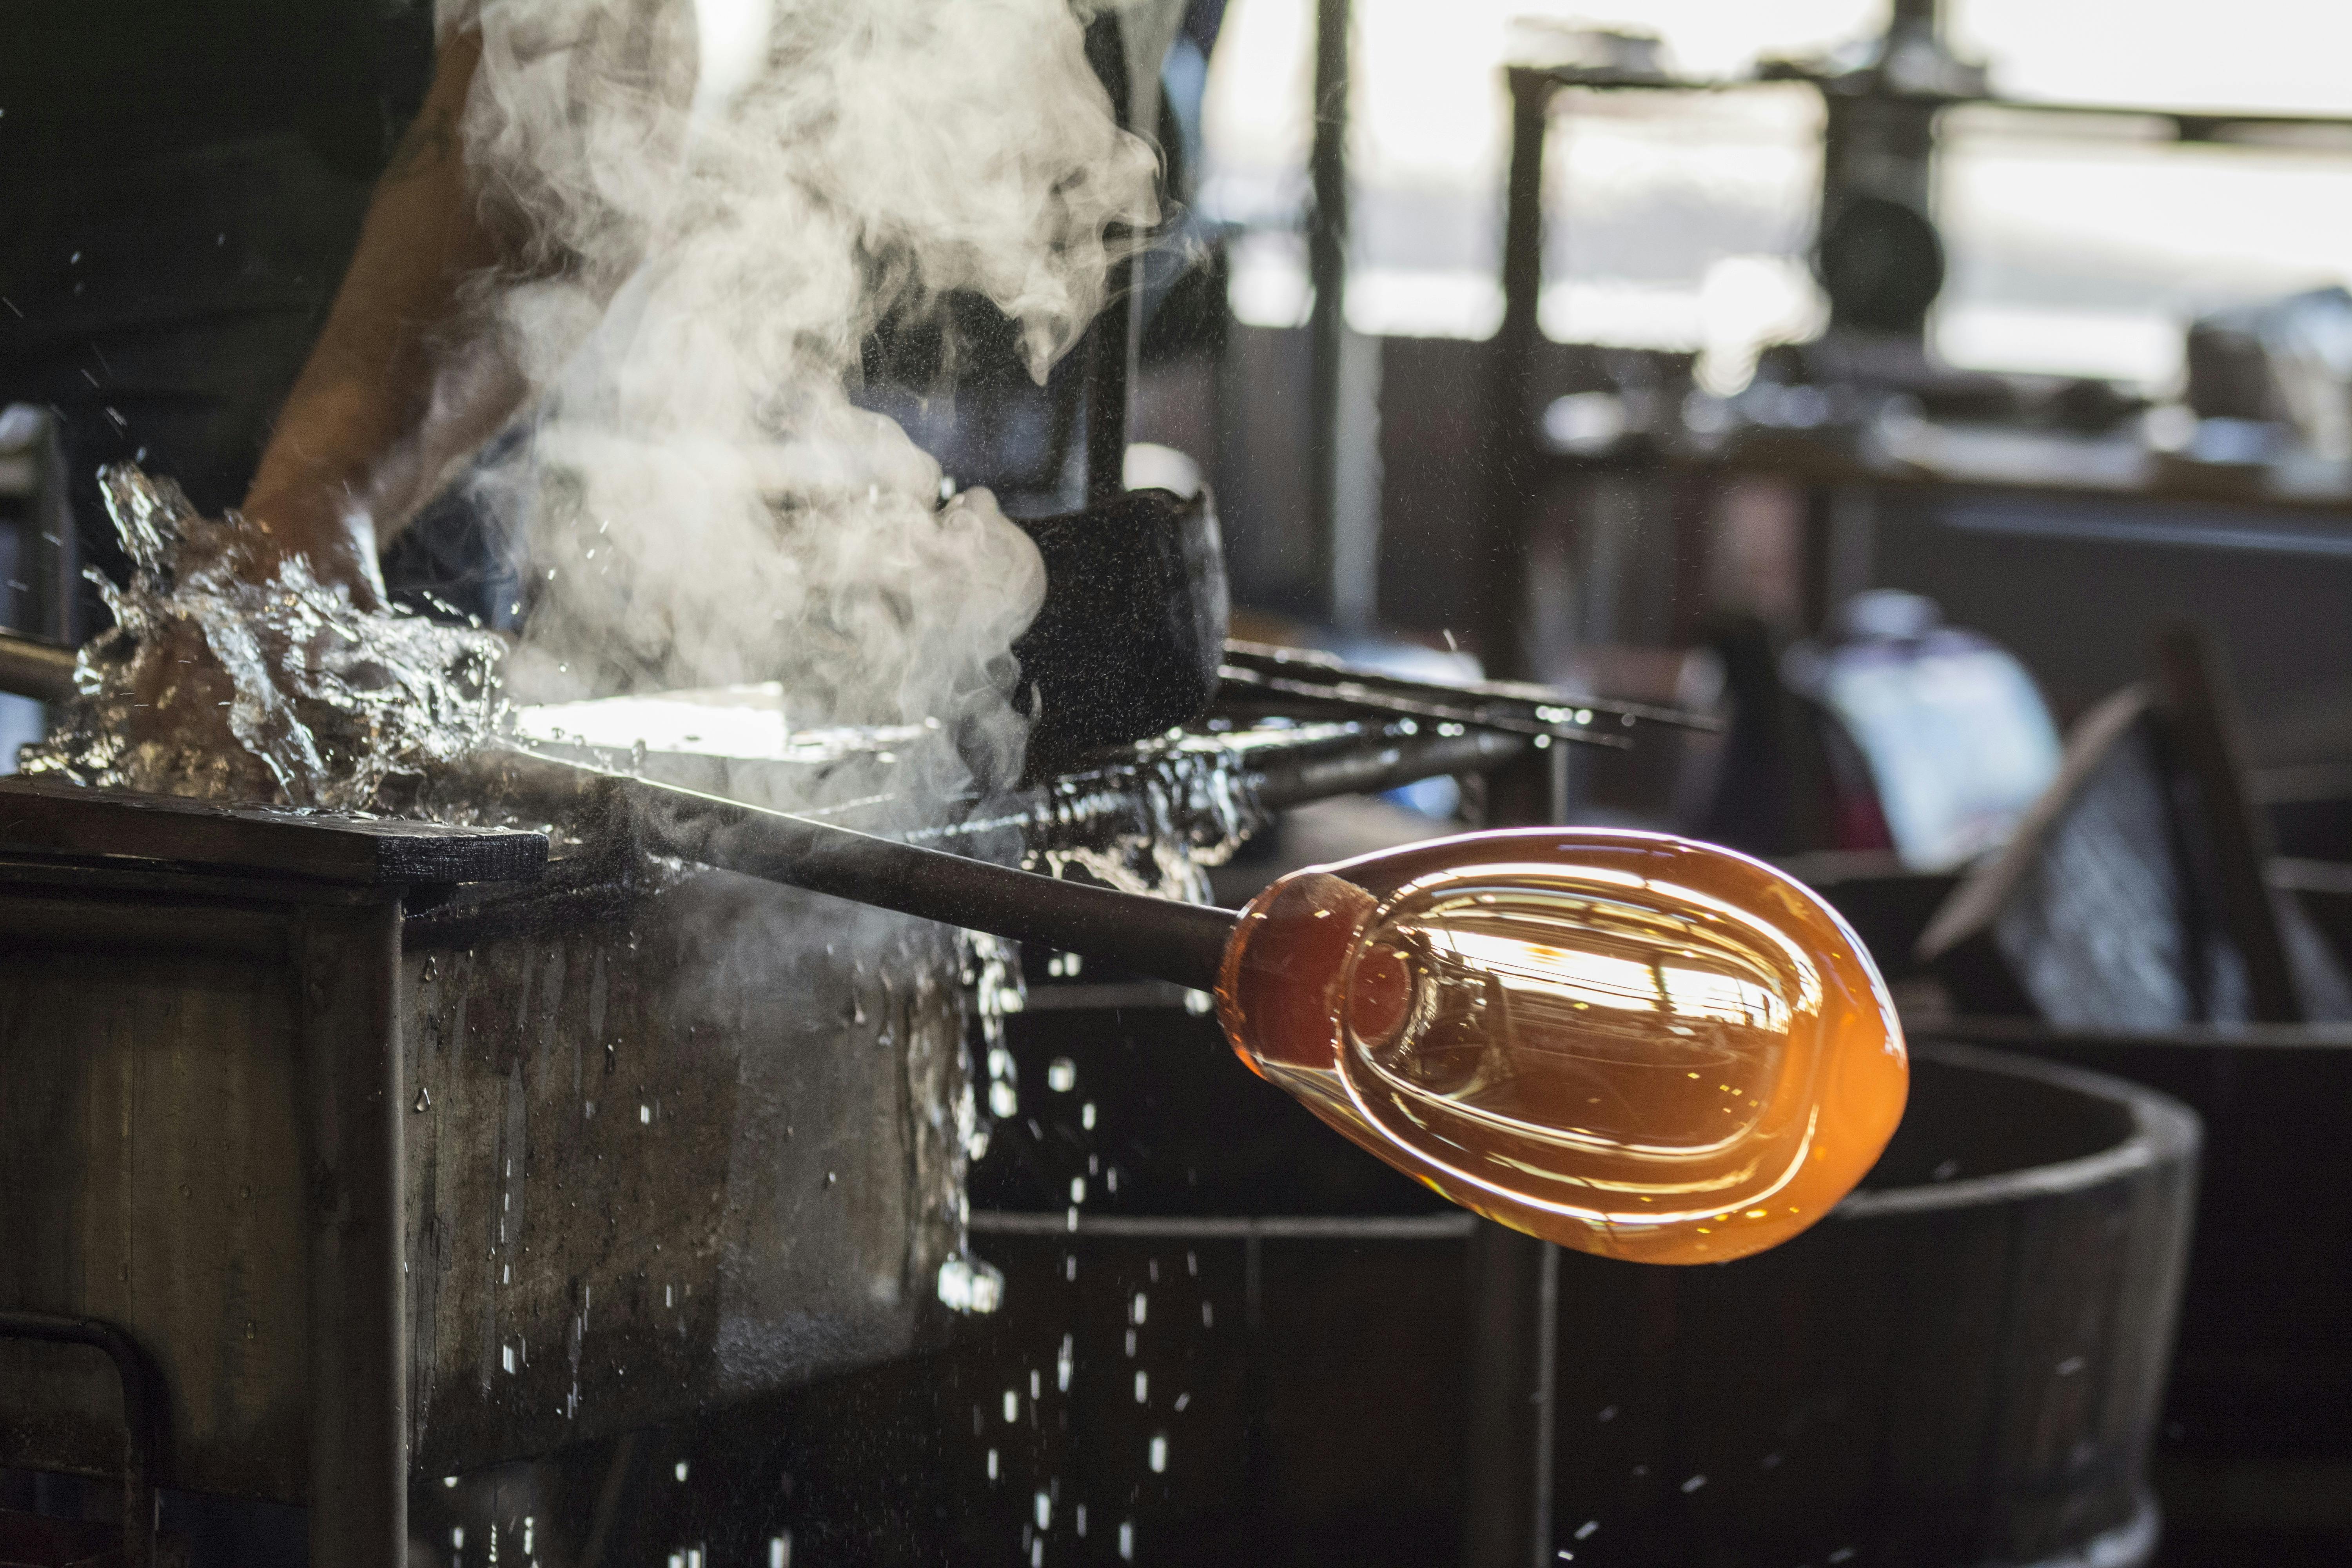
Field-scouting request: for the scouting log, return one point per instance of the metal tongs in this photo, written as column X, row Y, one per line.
column 1256, row 670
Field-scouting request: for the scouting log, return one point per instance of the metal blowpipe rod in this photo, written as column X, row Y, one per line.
column 31, row 667
column 1181, row 942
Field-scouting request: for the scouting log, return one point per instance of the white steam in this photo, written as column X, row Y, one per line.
column 722, row 197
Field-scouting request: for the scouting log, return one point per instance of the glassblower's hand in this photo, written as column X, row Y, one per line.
column 338, row 548
column 221, row 619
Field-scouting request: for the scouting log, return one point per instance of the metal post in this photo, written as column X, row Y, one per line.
column 1343, row 395
column 1513, row 1310
column 348, row 968
column 1113, row 340
column 1510, row 364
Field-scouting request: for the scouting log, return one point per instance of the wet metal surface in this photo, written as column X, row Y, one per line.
column 709, row 1146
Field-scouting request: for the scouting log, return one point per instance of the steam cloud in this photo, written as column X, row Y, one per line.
column 723, row 197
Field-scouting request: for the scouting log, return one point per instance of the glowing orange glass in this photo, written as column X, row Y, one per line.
column 1629, row 1043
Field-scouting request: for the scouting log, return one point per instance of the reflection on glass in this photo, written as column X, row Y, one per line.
column 1629, row 1043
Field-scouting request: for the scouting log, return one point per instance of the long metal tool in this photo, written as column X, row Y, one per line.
column 32, row 667
column 1169, row 941
column 1514, row 707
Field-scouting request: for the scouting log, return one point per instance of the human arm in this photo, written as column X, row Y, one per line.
column 382, row 408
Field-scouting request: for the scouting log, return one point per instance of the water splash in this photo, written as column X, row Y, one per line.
column 225, row 678
column 991, row 987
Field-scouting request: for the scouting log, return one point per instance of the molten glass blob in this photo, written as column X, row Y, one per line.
column 1626, row 1043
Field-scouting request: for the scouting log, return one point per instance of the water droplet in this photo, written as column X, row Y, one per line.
column 423, row 1098
column 968, row 1285
column 1061, row 1075
column 680, row 1471
column 1086, row 1116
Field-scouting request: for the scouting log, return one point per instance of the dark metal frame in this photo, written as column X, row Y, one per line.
column 142, row 1395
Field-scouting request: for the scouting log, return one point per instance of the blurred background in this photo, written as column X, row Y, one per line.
column 2021, row 432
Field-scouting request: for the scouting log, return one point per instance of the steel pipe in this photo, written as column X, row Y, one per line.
column 31, row 667
column 1170, row 941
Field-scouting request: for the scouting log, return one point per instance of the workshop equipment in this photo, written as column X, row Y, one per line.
column 400, row 1149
